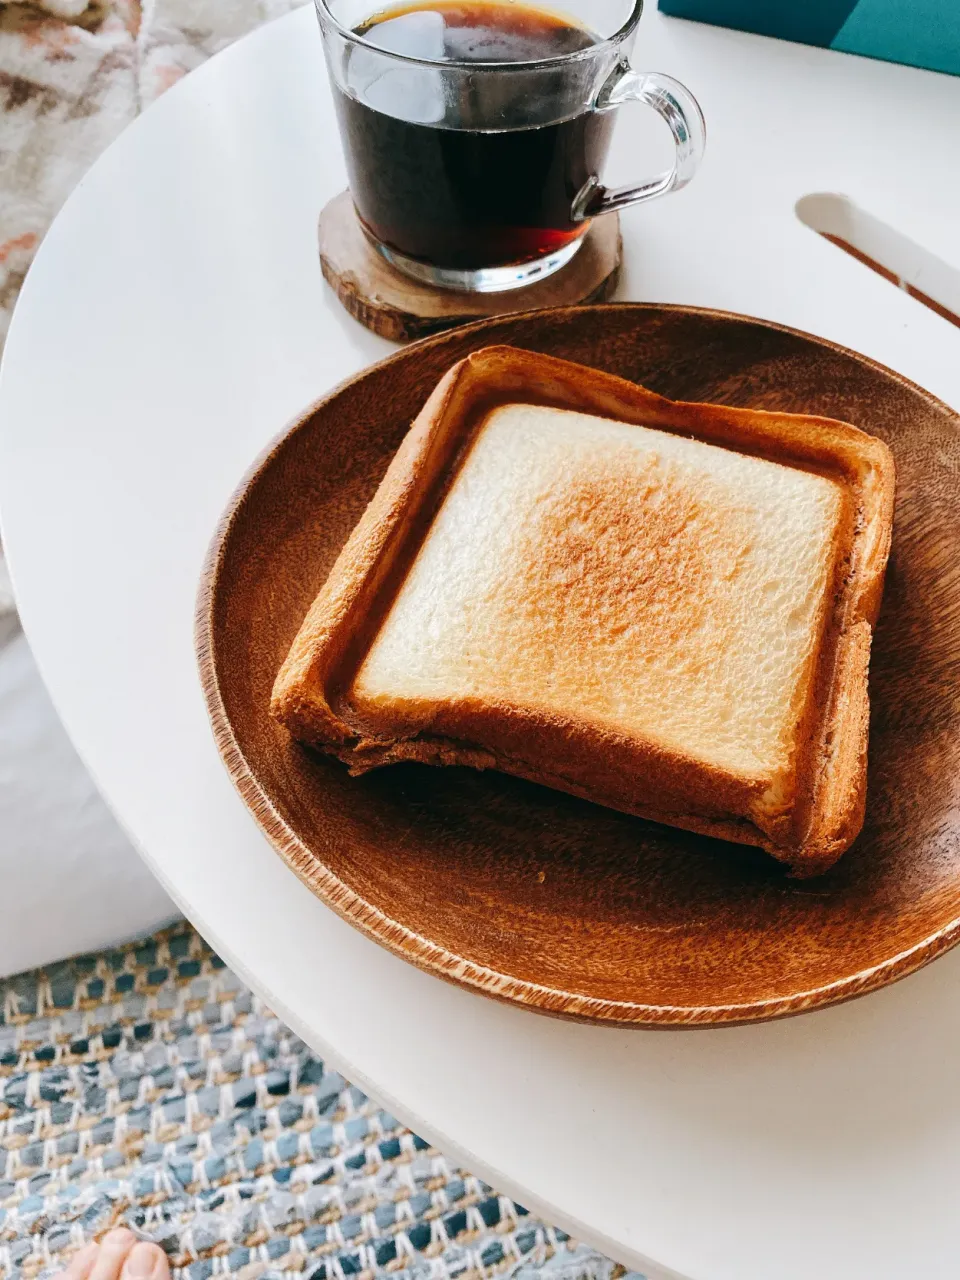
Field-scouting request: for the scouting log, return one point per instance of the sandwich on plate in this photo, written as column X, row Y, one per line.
column 665, row 608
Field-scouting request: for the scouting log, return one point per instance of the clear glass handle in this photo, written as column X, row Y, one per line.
column 677, row 105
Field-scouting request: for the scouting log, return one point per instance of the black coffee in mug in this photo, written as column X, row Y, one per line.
column 475, row 131
column 457, row 176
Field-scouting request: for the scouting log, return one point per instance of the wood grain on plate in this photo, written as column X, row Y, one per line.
column 396, row 307
column 533, row 896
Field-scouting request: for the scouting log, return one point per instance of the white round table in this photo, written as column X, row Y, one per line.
column 175, row 319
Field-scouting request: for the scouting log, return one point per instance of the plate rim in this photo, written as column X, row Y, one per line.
column 398, row 938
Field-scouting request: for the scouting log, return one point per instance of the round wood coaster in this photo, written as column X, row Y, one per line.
column 396, row 307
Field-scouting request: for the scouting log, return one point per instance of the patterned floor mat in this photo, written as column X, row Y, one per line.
column 148, row 1087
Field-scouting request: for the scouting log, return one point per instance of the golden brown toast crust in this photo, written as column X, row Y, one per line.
column 615, row 771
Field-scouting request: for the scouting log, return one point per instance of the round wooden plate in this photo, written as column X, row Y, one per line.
column 535, row 897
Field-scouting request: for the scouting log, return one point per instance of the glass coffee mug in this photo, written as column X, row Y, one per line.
column 476, row 131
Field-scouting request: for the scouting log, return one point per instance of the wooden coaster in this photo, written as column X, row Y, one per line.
column 396, row 307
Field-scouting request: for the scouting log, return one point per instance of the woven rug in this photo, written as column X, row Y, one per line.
column 147, row 1087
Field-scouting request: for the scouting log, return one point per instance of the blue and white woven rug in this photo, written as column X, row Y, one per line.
column 148, row 1087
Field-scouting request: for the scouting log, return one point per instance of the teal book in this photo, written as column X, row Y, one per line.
column 923, row 33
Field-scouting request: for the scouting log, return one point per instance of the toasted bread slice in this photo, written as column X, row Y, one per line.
column 665, row 608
